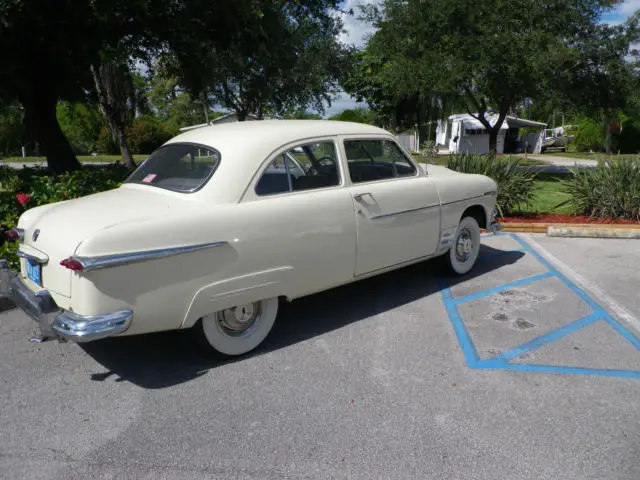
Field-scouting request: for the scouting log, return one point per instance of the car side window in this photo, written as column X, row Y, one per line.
column 371, row 160
column 305, row 167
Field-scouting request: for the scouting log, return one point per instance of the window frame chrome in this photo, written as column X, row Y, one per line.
column 172, row 144
column 284, row 149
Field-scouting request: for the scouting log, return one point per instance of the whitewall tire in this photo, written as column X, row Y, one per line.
column 238, row 330
column 463, row 255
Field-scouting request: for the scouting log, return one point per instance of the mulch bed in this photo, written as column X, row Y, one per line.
column 563, row 218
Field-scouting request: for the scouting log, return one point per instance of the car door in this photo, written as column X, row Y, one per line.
column 396, row 204
column 309, row 228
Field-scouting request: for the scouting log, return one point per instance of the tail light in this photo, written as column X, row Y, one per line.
column 72, row 264
column 15, row 234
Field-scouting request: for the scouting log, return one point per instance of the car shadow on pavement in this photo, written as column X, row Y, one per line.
column 165, row 359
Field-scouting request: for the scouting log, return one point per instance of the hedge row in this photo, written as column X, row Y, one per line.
column 21, row 189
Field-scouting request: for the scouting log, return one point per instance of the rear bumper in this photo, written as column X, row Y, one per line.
column 55, row 322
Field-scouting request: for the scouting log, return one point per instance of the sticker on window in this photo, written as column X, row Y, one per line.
column 149, row 178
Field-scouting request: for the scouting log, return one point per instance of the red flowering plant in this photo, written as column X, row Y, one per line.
column 25, row 188
column 23, row 198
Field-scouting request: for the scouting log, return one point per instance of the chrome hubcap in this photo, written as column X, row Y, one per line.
column 239, row 319
column 464, row 245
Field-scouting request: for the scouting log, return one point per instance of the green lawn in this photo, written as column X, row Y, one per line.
column 548, row 195
column 590, row 156
column 81, row 158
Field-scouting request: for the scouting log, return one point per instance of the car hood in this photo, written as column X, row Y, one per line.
column 438, row 170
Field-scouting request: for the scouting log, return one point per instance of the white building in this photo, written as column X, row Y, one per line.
column 462, row 133
column 409, row 140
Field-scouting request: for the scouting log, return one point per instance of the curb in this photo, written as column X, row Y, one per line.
column 592, row 230
column 569, row 232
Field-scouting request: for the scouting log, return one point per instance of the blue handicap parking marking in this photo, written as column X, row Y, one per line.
column 507, row 360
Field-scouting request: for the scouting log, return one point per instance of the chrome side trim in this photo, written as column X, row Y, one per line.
column 386, row 215
column 106, row 261
column 462, row 200
column 31, row 256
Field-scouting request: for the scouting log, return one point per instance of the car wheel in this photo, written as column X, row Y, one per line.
column 240, row 329
column 466, row 246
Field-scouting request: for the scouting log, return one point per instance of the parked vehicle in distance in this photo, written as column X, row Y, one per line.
column 222, row 223
column 556, row 139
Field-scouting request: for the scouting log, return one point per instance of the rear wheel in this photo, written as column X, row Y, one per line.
column 463, row 255
column 240, row 329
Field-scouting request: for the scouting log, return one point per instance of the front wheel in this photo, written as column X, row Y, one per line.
column 466, row 246
column 240, row 329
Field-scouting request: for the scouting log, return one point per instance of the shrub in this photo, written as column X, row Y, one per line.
column 81, row 124
column 516, row 182
column 610, row 191
column 106, row 144
column 31, row 187
column 429, row 152
column 145, row 135
column 589, row 136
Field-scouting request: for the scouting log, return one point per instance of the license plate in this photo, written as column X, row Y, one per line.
column 34, row 272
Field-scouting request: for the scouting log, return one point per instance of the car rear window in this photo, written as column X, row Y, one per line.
column 181, row 167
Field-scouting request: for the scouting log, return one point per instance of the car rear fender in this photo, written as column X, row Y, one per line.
column 238, row 290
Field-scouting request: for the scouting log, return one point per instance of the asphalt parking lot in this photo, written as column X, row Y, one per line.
column 529, row 368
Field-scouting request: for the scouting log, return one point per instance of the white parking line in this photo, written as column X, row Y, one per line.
column 601, row 296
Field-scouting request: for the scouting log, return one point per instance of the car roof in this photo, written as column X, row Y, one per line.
column 272, row 132
column 244, row 146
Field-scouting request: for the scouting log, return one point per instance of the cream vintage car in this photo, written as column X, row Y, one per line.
column 222, row 223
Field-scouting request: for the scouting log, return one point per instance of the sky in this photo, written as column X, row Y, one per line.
column 622, row 12
column 356, row 32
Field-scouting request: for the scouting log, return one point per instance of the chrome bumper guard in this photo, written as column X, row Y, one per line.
column 494, row 226
column 55, row 322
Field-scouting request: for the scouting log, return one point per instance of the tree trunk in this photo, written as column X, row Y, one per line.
column 422, row 128
column 115, row 124
column 124, row 150
column 205, row 107
column 493, row 139
column 242, row 115
column 42, row 124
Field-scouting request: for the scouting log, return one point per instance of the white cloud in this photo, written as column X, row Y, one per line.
column 622, row 12
column 340, row 103
column 628, row 7
column 356, row 30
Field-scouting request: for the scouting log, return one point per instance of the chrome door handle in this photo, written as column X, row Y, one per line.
column 358, row 196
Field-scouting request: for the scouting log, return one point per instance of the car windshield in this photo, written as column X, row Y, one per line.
column 180, row 167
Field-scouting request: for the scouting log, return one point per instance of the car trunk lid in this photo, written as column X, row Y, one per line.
column 58, row 231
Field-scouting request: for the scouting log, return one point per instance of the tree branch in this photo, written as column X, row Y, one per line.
column 481, row 108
